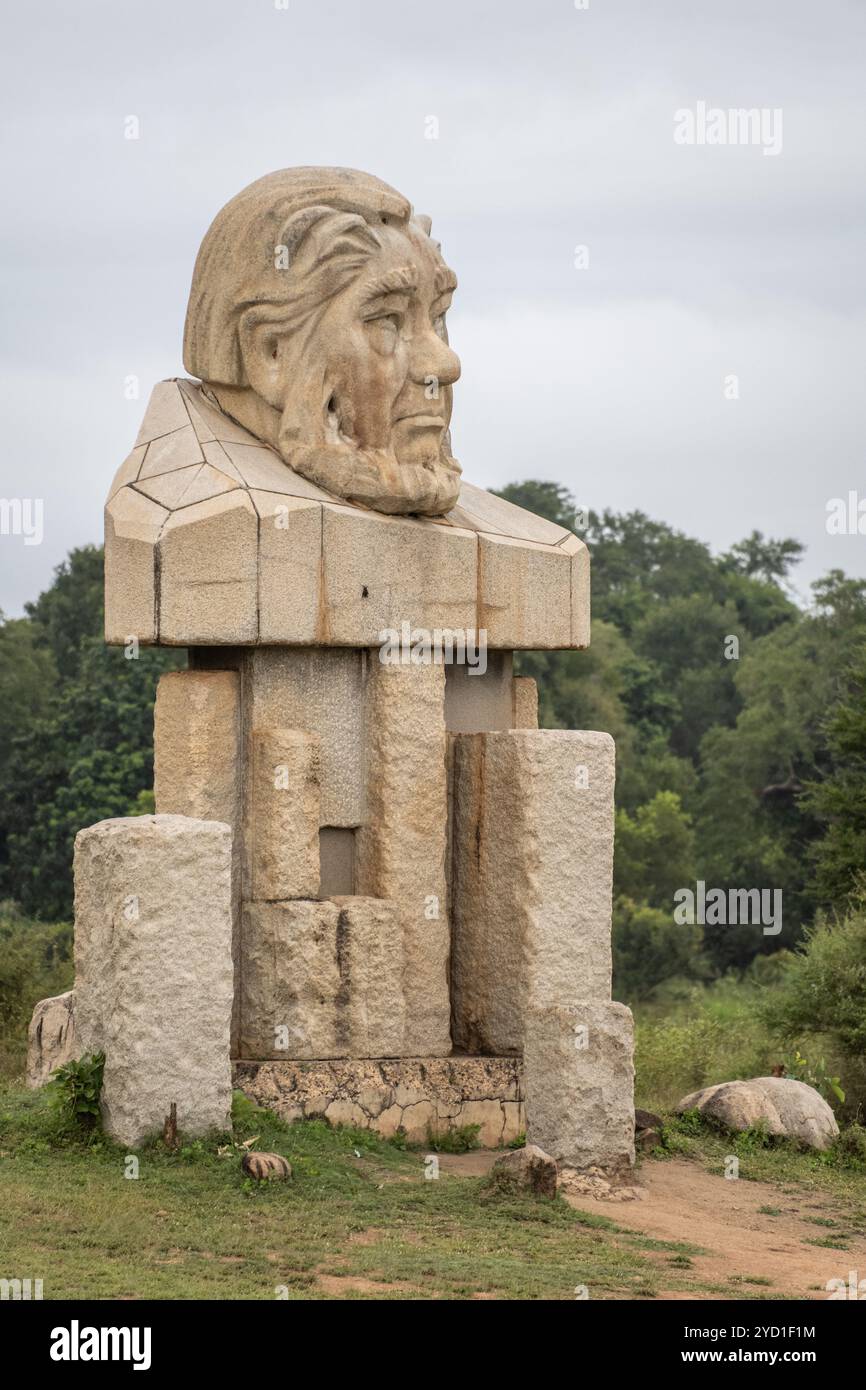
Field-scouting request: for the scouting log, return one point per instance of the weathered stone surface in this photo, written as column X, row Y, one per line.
column 409, row 1096
column 283, row 800
column 197, row 745
column 290, row 981
column 153, row 970
column 290, row 568
column 579, row 1080
column 786, row 1107
column 400, row 849
column 476, row 701
column 321, row 692
column 132, row 526
column 524, row 589
column 380, row 572
column 530, row 1167
column 209, row 572
column 51, row 1040
column 524, row 703
column 197, row 763
column 322, row 979
column 290, row 564
column 372, row 984
column 531, row 877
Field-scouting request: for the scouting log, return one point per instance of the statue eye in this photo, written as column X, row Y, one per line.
column 388, row 321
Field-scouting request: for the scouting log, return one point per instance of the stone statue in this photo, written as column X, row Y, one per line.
column 372, row 884
column 329, row 342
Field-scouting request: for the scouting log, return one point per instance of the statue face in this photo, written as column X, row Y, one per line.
column 386, row 374
column 334, row 349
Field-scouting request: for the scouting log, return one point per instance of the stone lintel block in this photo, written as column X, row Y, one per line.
column 524, row 703
column 154, row 977
column 524, row 593
column 290, row 568
column 283, row 800
column 381, row 571
column 400, row 847
column 196, row 738
column 51, row 1040
column 531, row 877
column 580, row 594
column 209, row 573
column 132, row 525
column 579, row 1079
column 319, row 691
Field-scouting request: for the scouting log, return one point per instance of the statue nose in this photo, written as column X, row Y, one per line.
column 435, row 358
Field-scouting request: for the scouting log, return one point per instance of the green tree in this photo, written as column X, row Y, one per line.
column 838, row 802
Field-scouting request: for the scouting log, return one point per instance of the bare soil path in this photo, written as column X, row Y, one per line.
column 758, row 1237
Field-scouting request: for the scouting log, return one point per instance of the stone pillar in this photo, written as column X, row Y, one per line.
column 579, row 1082
column 401, row 846
column 153, row 969
column 531, row 878
column 197, row 765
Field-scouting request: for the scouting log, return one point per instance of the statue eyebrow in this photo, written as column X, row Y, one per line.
column 404, row 280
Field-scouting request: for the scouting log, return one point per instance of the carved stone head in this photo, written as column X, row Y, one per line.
column 316, row 319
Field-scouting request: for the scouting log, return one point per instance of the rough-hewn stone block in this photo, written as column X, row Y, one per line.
column 51, row 1040
column 532, row 863
column 283, row 802
column 400, row 849
column 153, row 968
column 579, row 1080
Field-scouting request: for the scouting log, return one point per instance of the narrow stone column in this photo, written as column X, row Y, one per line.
column 197, row 767
column 401, row 847
column 531, row 877
column 579, row 1082
column 153, row 970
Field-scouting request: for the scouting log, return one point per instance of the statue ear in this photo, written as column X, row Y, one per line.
column 260, row 334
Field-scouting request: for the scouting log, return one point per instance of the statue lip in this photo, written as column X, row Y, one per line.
column 422, row 418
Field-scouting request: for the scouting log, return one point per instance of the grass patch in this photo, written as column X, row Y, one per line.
column 192, row 1227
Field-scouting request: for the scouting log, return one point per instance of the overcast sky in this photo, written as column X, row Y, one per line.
column 555, row 130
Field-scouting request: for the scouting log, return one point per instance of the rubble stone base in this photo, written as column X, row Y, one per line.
column 413, row 1095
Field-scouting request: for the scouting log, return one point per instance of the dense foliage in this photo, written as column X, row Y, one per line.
column 740, row 722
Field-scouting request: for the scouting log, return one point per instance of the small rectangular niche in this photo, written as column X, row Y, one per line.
column 336, row 862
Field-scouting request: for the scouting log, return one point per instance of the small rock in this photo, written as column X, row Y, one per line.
column 646, row 1119
column 647, row 1139
column 263, row 1167
column 591, row 1182
column 532, row 1168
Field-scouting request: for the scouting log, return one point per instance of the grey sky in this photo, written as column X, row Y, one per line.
column 555, row 130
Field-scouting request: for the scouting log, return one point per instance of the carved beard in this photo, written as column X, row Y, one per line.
column 372, row 478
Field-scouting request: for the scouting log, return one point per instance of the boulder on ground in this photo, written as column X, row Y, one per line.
column 531, row 1168
column 264, row 1167
column 787, row 1108
column 51, row 1037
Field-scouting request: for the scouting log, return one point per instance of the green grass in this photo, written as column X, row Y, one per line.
column 191, row 1226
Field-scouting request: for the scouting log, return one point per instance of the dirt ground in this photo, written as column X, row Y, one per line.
column 683, row 1202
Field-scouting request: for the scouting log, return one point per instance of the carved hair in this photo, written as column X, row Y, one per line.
column 325, row 219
